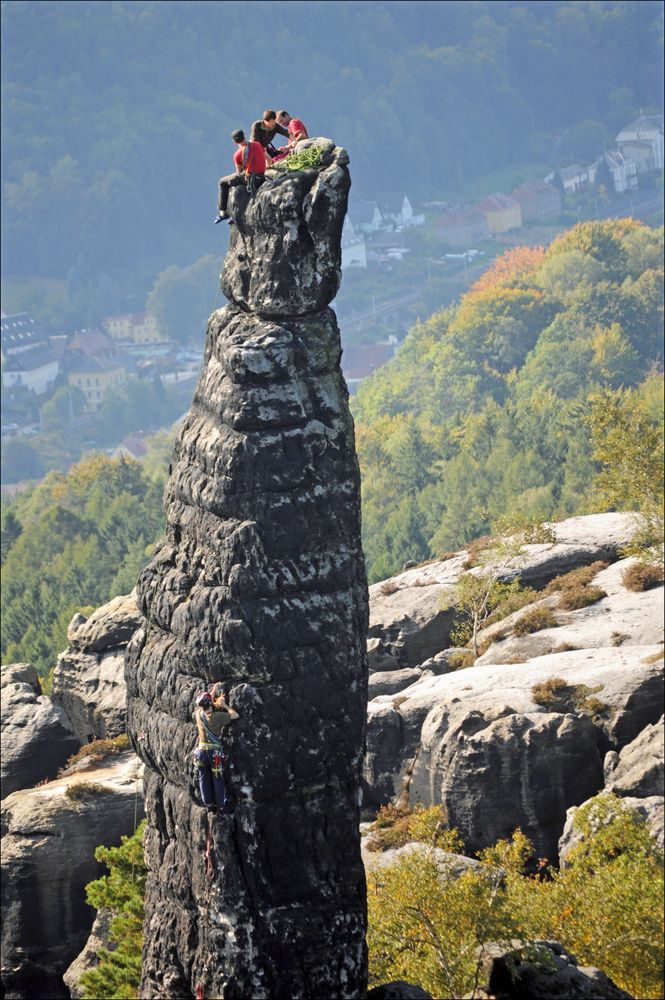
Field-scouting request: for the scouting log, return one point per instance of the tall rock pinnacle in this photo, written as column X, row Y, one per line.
column 259, row 583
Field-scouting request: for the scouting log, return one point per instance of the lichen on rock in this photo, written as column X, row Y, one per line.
column 259, row 583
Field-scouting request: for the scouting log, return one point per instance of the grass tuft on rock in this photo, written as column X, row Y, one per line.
column 642, row 576
column 534, row 621
column 98, row 751
column 574, row 598
column 80, row 791
column 557, row 695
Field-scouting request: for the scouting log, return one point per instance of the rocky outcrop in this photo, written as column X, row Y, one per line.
column 638, row 770
column 89, row 957
column 477, row 742
column 517, row 973
column 49, row 836
column 89, row 679
column 37, row 738
column 260, row 583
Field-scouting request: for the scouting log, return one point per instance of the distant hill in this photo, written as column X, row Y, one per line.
column 490, row 406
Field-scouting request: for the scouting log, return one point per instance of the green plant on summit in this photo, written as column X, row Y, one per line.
column 118, row 974
column 307, row 159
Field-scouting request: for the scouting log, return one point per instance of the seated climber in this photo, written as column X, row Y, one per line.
column 250, row 163
column 265, row 129
column 211, row 716
column 297, row 131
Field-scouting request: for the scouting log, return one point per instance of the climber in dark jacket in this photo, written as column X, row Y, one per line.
column 265, row 129
column 211, row 716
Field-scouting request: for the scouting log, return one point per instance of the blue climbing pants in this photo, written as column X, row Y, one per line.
column 209, row 764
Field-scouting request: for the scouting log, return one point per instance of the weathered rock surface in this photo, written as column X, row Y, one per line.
column 639, row 767
column 650, row 809
column 89, row 957
column 260, row 583
column 623, row 618
column 398, row 990
column 48, row 845
column 37, row 737
column 412, row 613
column 392, row 681
column 507, row 973
column 89, row 679
column 476, row 741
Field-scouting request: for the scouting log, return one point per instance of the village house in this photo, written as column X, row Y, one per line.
column 28, row 360
column 354, row 251
column 501, row 213
column 538, row 200
column 138, row 328
column 93, row 342
column 93, row 376
column 365, row 216
column 575, row 178
column 622, row 169
column 461, row 227
column 642, row 142
column 397, row 211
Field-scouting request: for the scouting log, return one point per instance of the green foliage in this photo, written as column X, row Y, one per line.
column 66, row 403
column 118, row 975
column 81, row 534
column 606, row 907
column 500, row 404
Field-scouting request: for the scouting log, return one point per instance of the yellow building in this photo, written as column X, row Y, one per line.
column 139, row 328
column 93, row 377
column 501, row 213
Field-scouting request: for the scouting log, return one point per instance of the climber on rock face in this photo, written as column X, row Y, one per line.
column 297, row 131
column 211, row 716
column 250, row 163
column 265, row 129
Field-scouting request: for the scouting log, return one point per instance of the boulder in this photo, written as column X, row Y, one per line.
column 516, row 972
column 623, row 618
column 398, row 990
column 392, row 681
column 476, row 741
column 649, row 809
column 449, row 865
column 89, row 957
column 48, row 857
column 89, row 679
column 638, row 769
column 412, row 613
column 37, row 737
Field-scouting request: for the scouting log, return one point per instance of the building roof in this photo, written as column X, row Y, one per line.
column 495, row 203
column 574, row 170
column 85, row 364
column 18, row 330
column 360, row 360
column 392, row 203
column 460, row 217
column 92, row 342
column 362, row 212
column 646, row 124
column 30, row 359
column 533, row 189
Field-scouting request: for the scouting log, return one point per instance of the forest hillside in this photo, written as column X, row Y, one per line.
column 508, row 402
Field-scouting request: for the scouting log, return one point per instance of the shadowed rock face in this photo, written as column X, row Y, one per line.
column 260, row 583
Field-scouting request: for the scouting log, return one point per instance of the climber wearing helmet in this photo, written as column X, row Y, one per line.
column 212, row 715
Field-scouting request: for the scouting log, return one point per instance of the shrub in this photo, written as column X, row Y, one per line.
column 606, row 908
column 574, row 598
column 559, row 696
column 580, row 577
column 461, row 658
column 99, row 750
column 534, row 620
column 642, row 576
column 388, row 587
column 396, row 825
column 118, row 974
column 82, row 790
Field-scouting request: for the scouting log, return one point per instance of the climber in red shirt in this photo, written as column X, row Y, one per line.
column 297, row 131
column 250, row 161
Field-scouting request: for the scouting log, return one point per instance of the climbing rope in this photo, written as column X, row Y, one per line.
column 308, row 159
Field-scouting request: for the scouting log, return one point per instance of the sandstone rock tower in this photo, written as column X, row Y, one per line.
column 259, row 582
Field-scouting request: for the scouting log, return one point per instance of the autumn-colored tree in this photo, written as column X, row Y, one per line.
column 515, row 267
